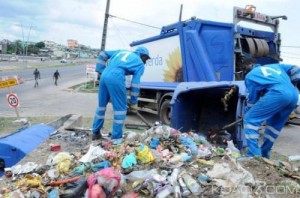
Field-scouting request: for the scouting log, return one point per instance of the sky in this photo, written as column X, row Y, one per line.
column 82, row 20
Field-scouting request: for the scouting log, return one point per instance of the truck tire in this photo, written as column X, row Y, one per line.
column 165, row 112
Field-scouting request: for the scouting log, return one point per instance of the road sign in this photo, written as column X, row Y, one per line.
column 90, row 68
column 12, row 100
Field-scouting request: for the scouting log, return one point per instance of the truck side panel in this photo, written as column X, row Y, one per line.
column 208, row 51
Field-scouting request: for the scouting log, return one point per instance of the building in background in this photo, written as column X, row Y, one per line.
column 72, row 44
column 3, row 46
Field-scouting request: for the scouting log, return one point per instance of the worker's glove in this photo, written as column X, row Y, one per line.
column 133, row 108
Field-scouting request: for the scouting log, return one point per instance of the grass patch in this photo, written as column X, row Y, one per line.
column 8, row 126
column 87, row 87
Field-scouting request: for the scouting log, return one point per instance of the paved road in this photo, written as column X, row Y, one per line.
column 50, row 100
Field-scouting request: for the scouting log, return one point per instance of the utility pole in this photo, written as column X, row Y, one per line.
column 28, row 40
column 105, row 25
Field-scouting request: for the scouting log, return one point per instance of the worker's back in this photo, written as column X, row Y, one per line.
column 125, row 62
column 267, row 77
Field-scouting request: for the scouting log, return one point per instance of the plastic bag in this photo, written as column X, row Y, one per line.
column 144, row 154
column 63, row 162
column 109, row 178
column 129, row 161
column 93, row 153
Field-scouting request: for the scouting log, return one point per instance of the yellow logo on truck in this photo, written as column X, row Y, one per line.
column 174, row 71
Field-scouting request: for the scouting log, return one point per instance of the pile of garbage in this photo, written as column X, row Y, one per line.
column 160, row 162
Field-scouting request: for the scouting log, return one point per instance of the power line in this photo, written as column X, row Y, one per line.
column 119, row 33
column 290, row 53
column 291, row 57
column 291, row 46
column 134, row 22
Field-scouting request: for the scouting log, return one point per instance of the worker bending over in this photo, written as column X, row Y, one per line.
column 272, row 96
column 112, row 87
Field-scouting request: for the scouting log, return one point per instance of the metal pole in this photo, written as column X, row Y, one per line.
column 105, row 25
column 28, row 40
column 180, row 13
column 23, row 41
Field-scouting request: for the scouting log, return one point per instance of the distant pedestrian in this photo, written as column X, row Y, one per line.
column 37, row 76
column 56, row 76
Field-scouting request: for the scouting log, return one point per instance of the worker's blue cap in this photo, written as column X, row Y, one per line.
column 141, row 50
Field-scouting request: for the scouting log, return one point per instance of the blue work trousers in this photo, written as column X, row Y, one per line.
column 274, row 108
column 112, row 87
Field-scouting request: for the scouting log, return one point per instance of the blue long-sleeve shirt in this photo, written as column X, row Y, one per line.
column 264, row 78
column 129, row 63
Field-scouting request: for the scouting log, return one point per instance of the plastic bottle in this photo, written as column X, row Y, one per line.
column 173, row 177
column 180, row 157
column 177, row 192
column 165, row 192
column 192, row 184
column 294, row 158
column 141, row 175
column 185, row 191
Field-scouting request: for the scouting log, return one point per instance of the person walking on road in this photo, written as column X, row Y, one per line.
column 37, row 76
column 272, row 97
column 112, row 87
column 56, row 75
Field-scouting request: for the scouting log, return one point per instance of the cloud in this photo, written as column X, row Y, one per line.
column 82, row 20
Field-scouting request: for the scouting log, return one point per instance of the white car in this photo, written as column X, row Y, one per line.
column 63, row 61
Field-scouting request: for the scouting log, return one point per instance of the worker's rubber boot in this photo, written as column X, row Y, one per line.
column 265, row 154
column 96, row 136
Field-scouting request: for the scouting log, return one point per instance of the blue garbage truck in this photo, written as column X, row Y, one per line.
column 194, row 79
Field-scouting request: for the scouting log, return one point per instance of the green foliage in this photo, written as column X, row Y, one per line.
column 40, row 45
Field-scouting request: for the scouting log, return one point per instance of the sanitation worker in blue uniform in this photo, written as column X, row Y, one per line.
column 272, row 96
column 112, row 87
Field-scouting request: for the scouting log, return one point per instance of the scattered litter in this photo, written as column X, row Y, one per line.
column 159, row 162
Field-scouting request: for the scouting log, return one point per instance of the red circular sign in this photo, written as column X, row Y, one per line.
column 13, row 100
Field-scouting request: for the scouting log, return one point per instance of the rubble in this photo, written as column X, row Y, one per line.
column 159, row 162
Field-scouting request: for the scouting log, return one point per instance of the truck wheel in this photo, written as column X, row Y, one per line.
column 165, row 112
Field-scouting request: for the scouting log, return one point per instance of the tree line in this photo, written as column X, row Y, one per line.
column 19, row 47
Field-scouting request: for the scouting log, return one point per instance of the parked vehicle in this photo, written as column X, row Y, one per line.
column 63, row 61
column 197, row 67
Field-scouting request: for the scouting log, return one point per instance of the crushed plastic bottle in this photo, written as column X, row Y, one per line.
column 191, row 183
column 185, row 191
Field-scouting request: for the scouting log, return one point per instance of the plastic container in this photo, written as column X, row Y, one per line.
column 174, row 176
column 177, row 192
column 185, row 191
column 141, row 175
column 166, row 192
column 192, row 184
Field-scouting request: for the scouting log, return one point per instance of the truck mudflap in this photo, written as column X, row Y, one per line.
column 204, row 107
